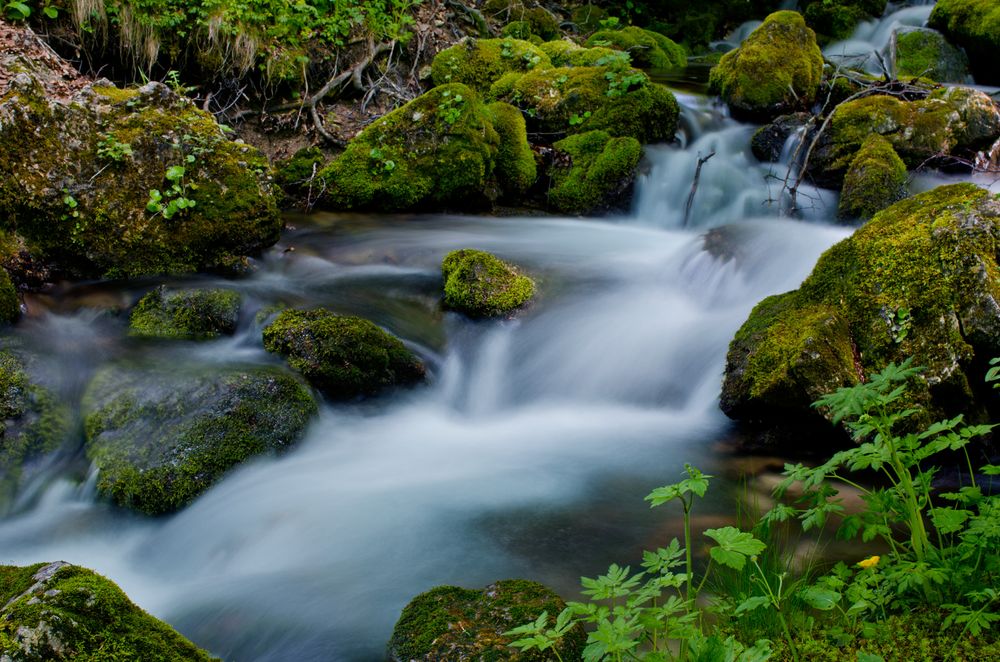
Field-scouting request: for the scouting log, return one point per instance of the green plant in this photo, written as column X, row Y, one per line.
column 576, row 120
column 111, row 149
column 451, row 107
column 173, row 199
column 16, row 11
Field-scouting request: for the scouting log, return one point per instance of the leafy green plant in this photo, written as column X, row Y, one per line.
column 451, row 106
column 173, row 199
column 16, row 11
column 576, row 120
column 111, row 149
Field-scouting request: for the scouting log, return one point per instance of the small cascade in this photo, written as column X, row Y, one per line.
column 874, row 36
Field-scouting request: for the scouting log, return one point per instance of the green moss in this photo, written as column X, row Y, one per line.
column 542, row 22
column 517, row 30
column 58, row 612
column 515, row 162
column 925, row 53
column 439, row 148
column 160, row 438
column 648, row 49
column 876, row 179
column 837, row 19
column 777, row 69
column 10, row 303
column 565, row 53
column 344, row 357
column 185, row 314
column 975, row 26
column 297, row 172
column 588, row 17
column 600, row 169
column 449, row 622
column 116, row 94
column 479, row 62
column 481, row 285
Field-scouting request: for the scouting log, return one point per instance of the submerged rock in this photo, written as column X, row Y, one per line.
column 161, row 437
column 479, row 62
column 596, row 174
column 452, row 623
column 777, row 70
column 648, row 49
column 342, row 356
column 919, row 52
column 482, row 285
column 975, row 26
column 194, row 314
column 875, row 180
column 920, row 280
column 56, row 611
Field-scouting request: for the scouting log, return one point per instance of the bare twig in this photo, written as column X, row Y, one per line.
column 702, row 160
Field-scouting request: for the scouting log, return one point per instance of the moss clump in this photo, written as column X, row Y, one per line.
column 875, row 180
column 588, row 17
column 598, row 174
column 344, row 357
column 975, row 26
column 926, row 54
column 517, row 30
column 185, row 314
column 453, row 623
column 439, row 148
column 297, row 172
column 619, row 100
column 542, row 23
column 56, row 611
column 919, row 280
column 82, row 200
column 10, row 304
column 162, row 437
column 565, row 53
column 837, row 19
column 648, row 49
column 515, row 162
column 481, row 285
column 777, row 70
column 479, row 62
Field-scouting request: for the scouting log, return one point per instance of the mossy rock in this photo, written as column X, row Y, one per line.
column 622, row 101
column 924, row 53
column 565, row 53
column 438, row 149
column 452, row 623
column 517, row 30
column 345, row 357
column 542, row 22
column 479, row 284
column 648, row 49
column 195, row 314
column 76, row 176
column 295, row 174
column 777, row 70
column 55, row 612
column 161, row 437
column 975, row 26
column 588, row 17
column 920, row 280
column 837, row 19
column 954, row 121
column 875, row 180
column 515, row 170
column 598, row 174
column 479, row 62
column 33, row 423
column 10, row 303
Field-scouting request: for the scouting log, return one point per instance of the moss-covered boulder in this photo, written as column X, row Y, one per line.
column 588, row 17
column 875, row 180
column 33, row 423
column 343, row 356
column 161, row 437
column 129, row 182
column 439, row 149
column 297, row 174
column 594, row 173
column 194, row 314
column 55, row 612
column 515, row 169
column 479, row 62
column 648, row 49
column 923, row 53
column 920, row 280
column 482, row 285
column 617, row 99
column 837, row 19
column 954, row 121
column 777, row 70
column 10, row 303
column 565, row 53
column 975, row 26
column 452, row 623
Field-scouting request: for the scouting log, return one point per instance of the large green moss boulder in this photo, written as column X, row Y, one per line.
column 195, row 314
column 617, row 99
column 56, row 612
column 33, row 423
column 923, row 53
column 975, row 26
column 343, row 356
column 161, row 437
column 875, row 180
column 648, row 49
column 479, row 62
column 129, row 182
column 954, row 121
column 777, row 70
column 565, row 53
column 482, row 285
column 436, row 150
column 596, row 173
column 452, row 623
column 515, row 170
column 837, row 19
column 920, row 280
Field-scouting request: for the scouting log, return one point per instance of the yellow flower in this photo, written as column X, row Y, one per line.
column 869, row 562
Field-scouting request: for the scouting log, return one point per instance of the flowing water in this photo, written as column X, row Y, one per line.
column 526, row 454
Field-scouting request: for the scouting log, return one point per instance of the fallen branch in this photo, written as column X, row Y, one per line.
column 702, row 160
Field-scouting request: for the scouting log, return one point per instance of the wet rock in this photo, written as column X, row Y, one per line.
column 769, row 140
column 194, row 314
column 920, row 52
column 593, row 172
column 479, row 284
column 646, row 48
column 875, row 180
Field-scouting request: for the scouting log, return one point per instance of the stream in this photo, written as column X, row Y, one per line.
column 526, row 454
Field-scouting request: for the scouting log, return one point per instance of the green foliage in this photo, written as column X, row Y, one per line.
column 648, row 49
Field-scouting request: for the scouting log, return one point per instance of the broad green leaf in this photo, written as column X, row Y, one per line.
column 820, row 598
column 752, row 603
column 733, row 546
